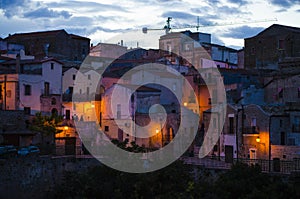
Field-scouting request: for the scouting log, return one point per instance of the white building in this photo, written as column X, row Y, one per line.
column 32, row 86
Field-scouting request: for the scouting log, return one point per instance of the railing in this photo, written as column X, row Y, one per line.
column 272, row 166
column 251, row 130
column 275, row 165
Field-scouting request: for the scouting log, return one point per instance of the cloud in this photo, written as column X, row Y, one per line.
column 47, row 13
column 87, row 6
column 216, row 40
column 187, row 20
column 242, row 32
column 230, row 10
column 12, row 7
column 285, row 3
column 178, row 15
column 239, row 2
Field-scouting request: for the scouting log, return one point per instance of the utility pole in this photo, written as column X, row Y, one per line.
column 5, row 81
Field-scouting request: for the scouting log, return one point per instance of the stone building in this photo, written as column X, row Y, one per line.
column 56, row 43
column 272, row 46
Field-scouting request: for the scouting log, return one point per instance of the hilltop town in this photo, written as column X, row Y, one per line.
column 249, row 98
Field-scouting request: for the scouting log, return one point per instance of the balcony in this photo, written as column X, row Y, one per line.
column 83, row 97
column 48, row 93
column 250, row 130
column 205, row 81
column 296, row 128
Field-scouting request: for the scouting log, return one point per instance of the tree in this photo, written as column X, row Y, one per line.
column 46, row 126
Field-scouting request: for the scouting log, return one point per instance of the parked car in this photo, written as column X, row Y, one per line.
column 8, row 150
column 11, row 149
column 28, row 150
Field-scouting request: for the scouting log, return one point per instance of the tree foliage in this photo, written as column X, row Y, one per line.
column 178, row 181
column 45, row 124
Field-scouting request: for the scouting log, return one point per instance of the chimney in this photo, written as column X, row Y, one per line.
column 18, row 60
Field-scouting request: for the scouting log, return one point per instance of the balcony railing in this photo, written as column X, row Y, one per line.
column 83, row 97
column 251, row 130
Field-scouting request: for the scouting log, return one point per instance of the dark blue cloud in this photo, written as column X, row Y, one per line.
column 242, row 32
column 12, row 7
column 187, row 20
column 47, row 13
column 285, row 3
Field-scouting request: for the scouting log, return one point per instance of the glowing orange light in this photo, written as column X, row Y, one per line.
column 258, row 139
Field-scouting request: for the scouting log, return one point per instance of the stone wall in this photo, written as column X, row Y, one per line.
column 285, row 152
column 36, row 177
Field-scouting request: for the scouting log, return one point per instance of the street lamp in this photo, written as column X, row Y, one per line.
column 258, row 139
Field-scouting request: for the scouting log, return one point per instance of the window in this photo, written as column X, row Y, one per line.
column 174, row 87
column 253, row 122
column 298, row 92
column 8, row 94
column 282, row 138
column 27, row 89
column 253, row 51
column 118, row 111
column 87, row 90
column 280, row 123
column 280, row 44
column 74, row 77
column 209, row 101
column 291, row 141
column 214, row 96
column 280, row 93
column 296, row 124
column 46, row 88
column 106, row 128
column 231, row 129
column 27, row 110
column 89, row 77
column 214, row 122
column 192, row 97
column 52, row 66
column 53, row 101
column 1, row 92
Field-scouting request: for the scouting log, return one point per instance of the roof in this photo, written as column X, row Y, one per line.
column 45, row 33
column 37, row 34
column 31, row 61
column 78, row 37
column 277, row 26
column 139, row 88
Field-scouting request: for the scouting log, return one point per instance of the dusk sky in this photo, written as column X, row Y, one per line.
column 112, row 20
